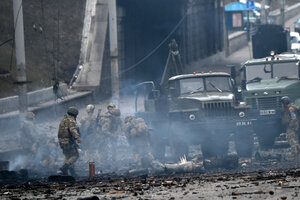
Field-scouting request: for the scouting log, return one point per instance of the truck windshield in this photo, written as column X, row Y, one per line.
column 213, row 84
column 218, row 83
column 191, row 85
column 268, row 71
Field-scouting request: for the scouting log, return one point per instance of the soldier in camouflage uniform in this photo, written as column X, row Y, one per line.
column 88, row 124
column 137, row 134
column 290, row 121
column 68, row 135
column 88, row 130
column 110, row 124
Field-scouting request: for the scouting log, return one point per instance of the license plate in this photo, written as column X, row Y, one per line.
column 244, row 123
column 267, row 112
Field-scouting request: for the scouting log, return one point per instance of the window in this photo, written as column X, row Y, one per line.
column 218, row 84
column 191, row 85
column 275, row 70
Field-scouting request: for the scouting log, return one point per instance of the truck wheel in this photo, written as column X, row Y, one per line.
column 244, row 143
column 179, row 149
column 215, row 144
column 179, row 144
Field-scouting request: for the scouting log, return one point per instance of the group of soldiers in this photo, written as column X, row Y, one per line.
column 102, row 132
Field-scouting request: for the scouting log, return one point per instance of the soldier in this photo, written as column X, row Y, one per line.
column 110, row 124
column 88, row 130
column 137, row 134
column 290, row 121
column 68, row 134
column 88, row 123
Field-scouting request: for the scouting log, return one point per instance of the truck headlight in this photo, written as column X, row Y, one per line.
column 241, row 114
column 192, row 117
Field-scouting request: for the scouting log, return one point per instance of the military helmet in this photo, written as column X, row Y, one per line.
column 90, row 108
column 72, row 111
column 29, row 115
column 116, row 112
column 285, row 100
column 111, row 105
column 128, row 118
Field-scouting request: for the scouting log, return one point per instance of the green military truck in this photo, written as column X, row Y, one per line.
column 265, row 82
column 197, row 108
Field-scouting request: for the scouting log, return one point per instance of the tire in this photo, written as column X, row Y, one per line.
column 215, row 145
column 244, row 143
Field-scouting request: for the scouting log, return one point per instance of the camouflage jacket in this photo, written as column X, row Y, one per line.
column 110, row 123
column 68, row 130
column 136, row 128
column 289, row 113
column 88, row 125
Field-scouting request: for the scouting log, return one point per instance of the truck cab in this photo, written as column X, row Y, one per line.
column 266, row 81
column 198, row 108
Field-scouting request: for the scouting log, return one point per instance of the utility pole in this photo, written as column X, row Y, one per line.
column 225, row 30
column 263, row 12
column 113, row 40
column 282, row 5
column 20, row 55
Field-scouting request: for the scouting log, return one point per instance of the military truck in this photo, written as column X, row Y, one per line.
column 270, row 37
column 197, row 108
column 265, row 82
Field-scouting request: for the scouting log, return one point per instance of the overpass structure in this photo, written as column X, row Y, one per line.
column 88, row 74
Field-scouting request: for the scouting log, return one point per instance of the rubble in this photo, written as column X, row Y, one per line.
column 13, row 176
column 61, row 178
column 226, row 162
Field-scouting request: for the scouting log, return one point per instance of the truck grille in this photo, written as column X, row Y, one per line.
column 213, row 109
column 265, row 102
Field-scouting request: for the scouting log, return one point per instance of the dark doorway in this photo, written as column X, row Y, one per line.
column 146, row 24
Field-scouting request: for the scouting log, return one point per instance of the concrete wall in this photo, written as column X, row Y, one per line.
column 34, row 98
column 290, row 12
column 237, row 40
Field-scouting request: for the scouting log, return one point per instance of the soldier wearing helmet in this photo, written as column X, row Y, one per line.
column 88, row 130
column 88, row 123
column 290, row 123
column 110, row 123
column 68, row 135
column 137, row 134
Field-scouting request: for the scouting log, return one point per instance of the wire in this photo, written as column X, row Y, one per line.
column 3, row 43
column 151, row 52
column 156, row 48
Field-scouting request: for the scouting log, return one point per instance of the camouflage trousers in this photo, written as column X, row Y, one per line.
column 292, row 138
column 108, row 148
column 70, row 152
column 142, row 154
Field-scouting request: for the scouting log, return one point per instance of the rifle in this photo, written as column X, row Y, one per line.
column 98, row 119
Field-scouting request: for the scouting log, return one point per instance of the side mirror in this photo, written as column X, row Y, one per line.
column 239, row 89
column 156, row 94
column 243, row 84
column 172, row 91
column 233, row 72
